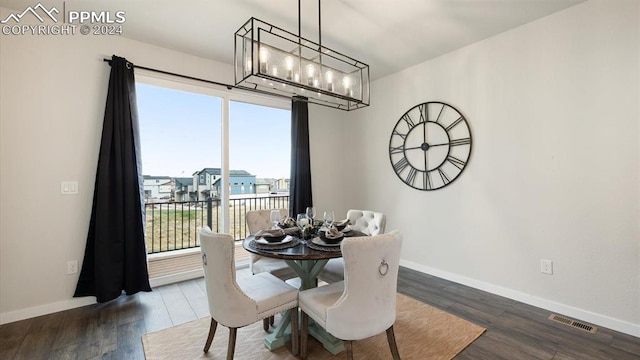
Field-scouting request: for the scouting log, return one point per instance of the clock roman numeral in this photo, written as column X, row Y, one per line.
column 440, row 114
column 407, row 118
column 412, row 176
column 463, row 141
column 427, row 181
column 396, row 132
column 444, row 177
column 454, row 124
column 424, row 115
column 397, row 150
column 400, row 165
column 456, row 162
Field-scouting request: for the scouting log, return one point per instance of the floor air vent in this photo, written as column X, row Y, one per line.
column 573, row 323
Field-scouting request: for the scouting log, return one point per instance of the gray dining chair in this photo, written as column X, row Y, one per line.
column 366, row 221
column 235, row 303
column 364, row 303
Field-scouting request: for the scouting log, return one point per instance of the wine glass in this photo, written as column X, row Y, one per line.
column 328, row 219
column 275, row 218
column 311, row 212
column 302, row 221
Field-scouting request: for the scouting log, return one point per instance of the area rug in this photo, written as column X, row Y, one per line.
column 422, row 332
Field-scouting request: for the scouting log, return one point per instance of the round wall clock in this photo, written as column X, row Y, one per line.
column 430, row 146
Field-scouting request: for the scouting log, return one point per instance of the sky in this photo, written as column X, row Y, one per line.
column 181, row 133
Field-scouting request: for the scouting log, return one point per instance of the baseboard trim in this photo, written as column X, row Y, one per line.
column 174, row 278
column 577, row 313
column 45, row 309
column 22, row 314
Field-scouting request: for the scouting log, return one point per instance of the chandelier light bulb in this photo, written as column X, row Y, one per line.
column 264, row 56
column 346, row 82
column 329, row 76
column 311, row 71
column 288, row 64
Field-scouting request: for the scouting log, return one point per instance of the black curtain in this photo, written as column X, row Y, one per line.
column 115, row 257
column 300, row 186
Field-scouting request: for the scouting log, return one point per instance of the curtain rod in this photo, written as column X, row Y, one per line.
column 228, row 86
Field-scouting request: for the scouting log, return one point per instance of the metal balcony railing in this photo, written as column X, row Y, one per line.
column 174, row 225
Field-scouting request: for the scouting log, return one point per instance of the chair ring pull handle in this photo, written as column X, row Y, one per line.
column 383, row 269
column 204, row 259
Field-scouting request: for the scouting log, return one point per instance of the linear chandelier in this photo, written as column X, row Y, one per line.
column 271, row 60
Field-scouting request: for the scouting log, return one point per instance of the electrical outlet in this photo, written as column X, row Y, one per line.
column 72, row 267
column 546, row 266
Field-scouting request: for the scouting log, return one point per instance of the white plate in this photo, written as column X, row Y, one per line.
column 284, row 241
column 318, row 241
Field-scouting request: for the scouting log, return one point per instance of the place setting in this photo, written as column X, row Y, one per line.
column 330, row 234
column 280, row 236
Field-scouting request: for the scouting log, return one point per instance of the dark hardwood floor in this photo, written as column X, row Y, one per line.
column 113, row 330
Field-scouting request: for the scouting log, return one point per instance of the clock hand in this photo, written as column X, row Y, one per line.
column 413, row 148
column 439, row 144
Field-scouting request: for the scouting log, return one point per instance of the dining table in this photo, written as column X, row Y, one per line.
column 307, row 258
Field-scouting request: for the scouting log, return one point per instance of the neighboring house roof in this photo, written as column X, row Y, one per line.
column 218, row 171
column 210, row 171
column 184, row 181
column 153, row 177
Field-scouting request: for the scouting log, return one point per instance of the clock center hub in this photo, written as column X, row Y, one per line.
column 424, row 146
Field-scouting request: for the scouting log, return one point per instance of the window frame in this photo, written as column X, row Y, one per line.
column 200, row 87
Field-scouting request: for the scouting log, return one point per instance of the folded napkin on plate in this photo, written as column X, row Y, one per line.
column 344, row 222
column 287, row 222
column 333, row 233
column 291, row 230
column 269, row 233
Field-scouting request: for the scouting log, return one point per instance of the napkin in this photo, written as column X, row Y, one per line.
column 287, row 222
column 269, row 233
column 291, row 230
column 333, row 233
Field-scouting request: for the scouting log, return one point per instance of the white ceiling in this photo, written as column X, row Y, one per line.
column 388, row 35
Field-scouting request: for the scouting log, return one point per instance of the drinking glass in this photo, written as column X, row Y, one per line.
column 328, row 219
column 302, row 221
column 275, row 218
column 311, row 212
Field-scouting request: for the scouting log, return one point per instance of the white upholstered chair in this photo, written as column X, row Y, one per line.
column 237, row 303
column 364, row 304
column 370, row 223
column 259, row 220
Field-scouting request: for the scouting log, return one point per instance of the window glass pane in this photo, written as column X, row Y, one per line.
column 181, row 146
column 259, row 159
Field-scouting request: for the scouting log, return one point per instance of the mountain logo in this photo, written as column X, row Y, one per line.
column 34, row 12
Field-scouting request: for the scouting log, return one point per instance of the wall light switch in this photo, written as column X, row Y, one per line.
column 69, row 188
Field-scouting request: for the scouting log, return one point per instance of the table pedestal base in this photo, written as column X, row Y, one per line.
column 328, row 341
column 280, row 334
column 308, row 271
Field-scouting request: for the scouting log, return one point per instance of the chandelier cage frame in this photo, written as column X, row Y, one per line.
column 269, row 59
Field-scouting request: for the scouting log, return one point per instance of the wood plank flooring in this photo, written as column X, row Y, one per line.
column 113, row 330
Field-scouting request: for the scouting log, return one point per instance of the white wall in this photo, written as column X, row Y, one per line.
column 554, row 172
column 52, row 96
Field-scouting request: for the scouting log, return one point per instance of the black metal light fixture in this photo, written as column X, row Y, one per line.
column 271, row 60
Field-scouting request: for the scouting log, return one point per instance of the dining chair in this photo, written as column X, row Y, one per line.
column 259, row 220
column 235, row 303
column 364, row 303
column 366, row 221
